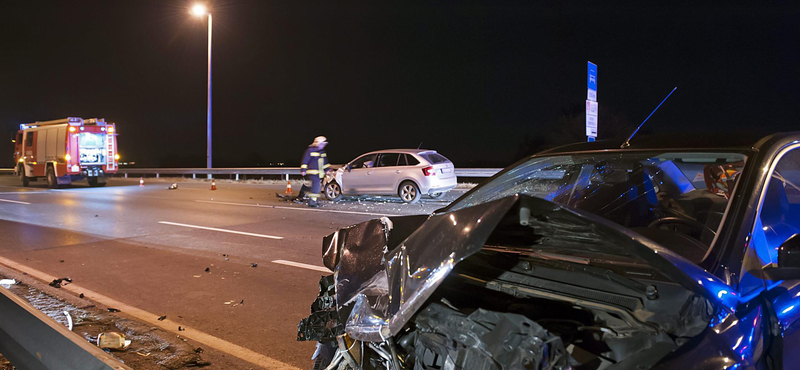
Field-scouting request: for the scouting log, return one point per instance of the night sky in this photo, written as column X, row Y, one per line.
column 471, row 80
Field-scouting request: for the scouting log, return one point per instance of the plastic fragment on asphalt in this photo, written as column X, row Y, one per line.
column 7, row 283
column 181, row 329
column 208, row 269
column 80, row 296
column 111, row 309
column 197, row 276
column 173, row 186
column 255, row 264
column 142, row 354
column 69, row 320
column 58, row 283
column 161, row 318
column 113, row 340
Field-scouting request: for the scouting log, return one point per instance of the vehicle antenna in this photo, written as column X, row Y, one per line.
column 420, row 145
column 627, row 143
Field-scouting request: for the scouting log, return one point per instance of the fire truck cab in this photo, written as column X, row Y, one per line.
column 66, row 150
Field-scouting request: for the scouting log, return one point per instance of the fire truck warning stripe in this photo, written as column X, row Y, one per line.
column 13, row 201
column 221, row 230
column 151, row 318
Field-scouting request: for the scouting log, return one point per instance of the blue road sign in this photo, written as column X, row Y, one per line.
column 591, row 82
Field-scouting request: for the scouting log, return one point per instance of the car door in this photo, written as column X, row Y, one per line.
column 386, row 174
column 778, row 219
column 358, row 178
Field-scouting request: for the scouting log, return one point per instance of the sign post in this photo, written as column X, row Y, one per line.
column 591, row 101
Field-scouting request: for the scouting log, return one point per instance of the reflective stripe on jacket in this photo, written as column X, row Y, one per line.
column 315, row 161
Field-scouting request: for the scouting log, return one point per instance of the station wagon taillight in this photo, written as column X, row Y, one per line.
column 429, row 171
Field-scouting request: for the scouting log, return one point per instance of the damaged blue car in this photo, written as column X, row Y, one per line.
column 674, row 252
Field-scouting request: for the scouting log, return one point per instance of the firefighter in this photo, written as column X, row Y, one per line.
column 314, row 163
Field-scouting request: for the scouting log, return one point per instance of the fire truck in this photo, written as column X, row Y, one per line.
column 66, row 150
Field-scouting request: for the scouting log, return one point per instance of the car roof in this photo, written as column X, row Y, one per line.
column 407, row 151
column 699, row 141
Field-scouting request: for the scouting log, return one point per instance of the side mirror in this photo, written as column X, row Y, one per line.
column 789, row 252
column 788, row 261
column 349, row 167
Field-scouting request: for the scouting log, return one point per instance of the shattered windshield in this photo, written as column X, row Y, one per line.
column 666, row 196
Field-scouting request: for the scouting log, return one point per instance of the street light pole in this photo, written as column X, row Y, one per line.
column 200, row 10
column 208, row 118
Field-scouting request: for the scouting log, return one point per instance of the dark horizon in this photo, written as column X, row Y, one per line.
column 482, row 83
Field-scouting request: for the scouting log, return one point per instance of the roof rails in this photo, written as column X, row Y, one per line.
column 72, row 121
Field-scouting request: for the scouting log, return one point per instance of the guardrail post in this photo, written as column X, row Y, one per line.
column 237, row 177
column 194, row 176
column 126, row 175
column 209, row 176
column 156, row 175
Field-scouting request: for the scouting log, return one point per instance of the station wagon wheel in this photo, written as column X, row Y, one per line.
column 409, row 192
column 333, row 191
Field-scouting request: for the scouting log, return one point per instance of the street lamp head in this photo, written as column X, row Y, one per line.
column 199, row 10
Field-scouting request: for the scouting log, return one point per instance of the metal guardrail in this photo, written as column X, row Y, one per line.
column 461, row 172
column 31, row 340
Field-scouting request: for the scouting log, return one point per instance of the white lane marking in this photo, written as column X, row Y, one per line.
column 221, row 230
column 23, row 192
column 302, row 266
column 152, row 319
column 296, row 208
column 13, row 201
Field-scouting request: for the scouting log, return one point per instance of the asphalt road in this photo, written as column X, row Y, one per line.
column 148, row 247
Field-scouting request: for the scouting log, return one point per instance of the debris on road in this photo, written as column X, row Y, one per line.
column 7, row 282
column 111, row 309
column 181, row 329
column 142, row 354
column 198, row 350
column 161, row 318
column 62, row 261
column 198, row 363
column 254, row 264
column 208, row 269
column 58, row 283
column 113, row 340
column 80, row 296
column 69, row 320
column 197, row 276
column 173, row 186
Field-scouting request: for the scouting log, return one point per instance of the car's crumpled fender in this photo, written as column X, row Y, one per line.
column 388, row 285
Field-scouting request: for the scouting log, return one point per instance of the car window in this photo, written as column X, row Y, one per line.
column 434, row 158
column 410, row 160
column 388, row 160
column 367, row 161
column 780, row 209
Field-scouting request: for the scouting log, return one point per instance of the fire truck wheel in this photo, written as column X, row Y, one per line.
column 52, row 182
column 25, row 179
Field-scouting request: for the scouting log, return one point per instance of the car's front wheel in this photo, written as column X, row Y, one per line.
column 333, row 191
column 409, row 192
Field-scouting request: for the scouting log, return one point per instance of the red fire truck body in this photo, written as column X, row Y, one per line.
column 66, row 150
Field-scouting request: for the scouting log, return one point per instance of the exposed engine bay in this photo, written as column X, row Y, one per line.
column 533, row 286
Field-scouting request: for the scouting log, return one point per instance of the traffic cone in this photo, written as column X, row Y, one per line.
column 141, row 181
column 288, row 187
column 213, row 184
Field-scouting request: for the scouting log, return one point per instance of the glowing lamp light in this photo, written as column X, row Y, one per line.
column 68, row 157
column 199, row 10
column 110, row 130
column 116, row 156
column 71, row 129
column 22, row 160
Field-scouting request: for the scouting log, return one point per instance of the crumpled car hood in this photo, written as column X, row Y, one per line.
column 386, row 269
